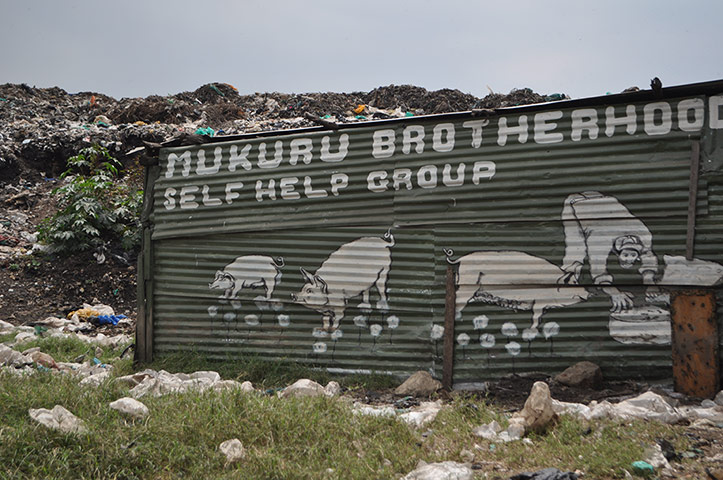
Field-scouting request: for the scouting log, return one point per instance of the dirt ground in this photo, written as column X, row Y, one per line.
column 33, row 287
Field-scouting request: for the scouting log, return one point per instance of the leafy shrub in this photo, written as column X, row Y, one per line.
column 97, row 208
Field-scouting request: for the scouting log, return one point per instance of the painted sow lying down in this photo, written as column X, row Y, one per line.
column 514, row 280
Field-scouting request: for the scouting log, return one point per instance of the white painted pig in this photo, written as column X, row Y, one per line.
column 514, row 280
column 352, row 270
column 250, row 271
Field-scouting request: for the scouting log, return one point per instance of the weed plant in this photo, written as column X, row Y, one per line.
column 96, row 207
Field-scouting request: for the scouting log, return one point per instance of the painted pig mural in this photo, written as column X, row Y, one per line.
column 352, row 270
column 250, row 271
column 514, row 280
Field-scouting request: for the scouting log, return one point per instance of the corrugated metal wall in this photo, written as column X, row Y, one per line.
column 278, row 218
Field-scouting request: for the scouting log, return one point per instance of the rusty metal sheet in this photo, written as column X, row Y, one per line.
column 695, row 344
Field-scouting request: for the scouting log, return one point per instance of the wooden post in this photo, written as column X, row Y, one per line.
column 692, row 199
column 449, row 311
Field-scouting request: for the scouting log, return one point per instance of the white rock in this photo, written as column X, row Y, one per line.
column 206, row 375
column 130, row 407
column 77, row 326
column 20, row 372
column 332, row 389
column 602, row 410
column 104, row 340
column 136, row 378
column 5, row 326
column 649, row 406
column 441, row 471
column 150, row 382
column 23, row 337
column 13, row 358
column 303, row 388
column 423, row 414
column 95, row 380
column 54, row 322
column 160, row 384
column 233, row 449
column 362, row 409
column 247, row 387
column 515, row 431
column 226, row 385
column 714, row 414
column 708, row 403
column 537, row 412
column 575, row 409
column 488, row 431
column 58, row 419
column 719, row 398
column 654, row 456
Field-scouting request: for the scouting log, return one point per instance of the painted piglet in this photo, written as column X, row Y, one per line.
column 352, row 270
column 514, row 280
column 250, row 271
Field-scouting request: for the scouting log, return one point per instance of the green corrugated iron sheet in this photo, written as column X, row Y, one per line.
column 511, row 224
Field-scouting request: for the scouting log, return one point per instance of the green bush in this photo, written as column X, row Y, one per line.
column 97, row 208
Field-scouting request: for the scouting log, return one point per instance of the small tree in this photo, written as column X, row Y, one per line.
column 96, row 207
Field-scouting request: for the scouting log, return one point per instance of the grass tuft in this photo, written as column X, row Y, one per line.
column 314, row 438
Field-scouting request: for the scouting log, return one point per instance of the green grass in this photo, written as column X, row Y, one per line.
column 266, row 374
column 313, row 438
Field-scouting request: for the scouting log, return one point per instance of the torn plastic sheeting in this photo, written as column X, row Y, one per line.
column 545, row 474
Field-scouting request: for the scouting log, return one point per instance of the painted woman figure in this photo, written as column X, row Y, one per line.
column 596, row 225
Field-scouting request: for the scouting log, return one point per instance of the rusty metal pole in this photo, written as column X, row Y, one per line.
column 449, row 310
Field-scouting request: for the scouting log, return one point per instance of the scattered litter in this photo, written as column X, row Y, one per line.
column 642, row 468
column 546, row 474
column 208, row 131
column 107, row 319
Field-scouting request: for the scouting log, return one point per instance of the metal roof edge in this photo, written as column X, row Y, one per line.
column 709, row 87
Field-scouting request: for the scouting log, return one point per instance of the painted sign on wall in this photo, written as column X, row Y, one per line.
column 330, row 246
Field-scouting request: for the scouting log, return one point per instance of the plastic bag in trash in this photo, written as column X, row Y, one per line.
column 108, row 319
column 546, row 474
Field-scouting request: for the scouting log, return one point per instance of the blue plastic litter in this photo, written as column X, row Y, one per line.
column 109, row 319
column 208, row 131
column 96, row 361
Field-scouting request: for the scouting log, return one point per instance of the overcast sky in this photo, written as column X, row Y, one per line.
column 136, row 48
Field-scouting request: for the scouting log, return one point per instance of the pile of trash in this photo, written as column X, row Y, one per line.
column 41, row 127
column 17, row 236
column 16, row 358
